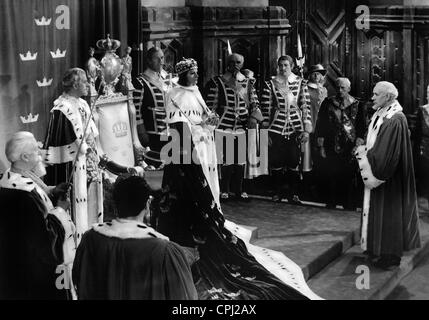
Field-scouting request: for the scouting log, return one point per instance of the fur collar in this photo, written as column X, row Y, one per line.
column 178, row 92
column 390, row 110
column 12, row 180
column 127, row 229
column 72, row 108
column 378, row 119
column 16, row 181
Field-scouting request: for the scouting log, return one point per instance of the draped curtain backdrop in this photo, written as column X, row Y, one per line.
column 41, row 40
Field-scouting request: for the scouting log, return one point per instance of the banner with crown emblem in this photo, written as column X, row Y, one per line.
column 115, row 130
column 38, row 38
column 41, row 40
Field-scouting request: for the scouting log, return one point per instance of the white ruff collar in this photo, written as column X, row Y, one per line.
column 66, row 98
column 157, row 79
column 292, row 77
column 155, row 75
column 12, row 180
column 127, row 229
column 313, row 85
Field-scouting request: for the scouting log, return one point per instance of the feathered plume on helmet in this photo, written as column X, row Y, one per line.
column 185, row 65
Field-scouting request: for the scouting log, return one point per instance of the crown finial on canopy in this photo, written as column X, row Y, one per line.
column 108, row 44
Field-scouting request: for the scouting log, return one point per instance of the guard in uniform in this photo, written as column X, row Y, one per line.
column 149, row 98
column 285, row 105
column 233, row 97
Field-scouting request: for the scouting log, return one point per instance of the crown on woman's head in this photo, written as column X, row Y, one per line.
column 185, row 65
column 108, row 44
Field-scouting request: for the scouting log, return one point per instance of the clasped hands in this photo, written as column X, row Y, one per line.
column 303, row 137
column 359, row 142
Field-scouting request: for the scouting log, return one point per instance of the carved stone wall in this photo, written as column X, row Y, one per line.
column 395, row 48
column 256, row 33
column 199, row 31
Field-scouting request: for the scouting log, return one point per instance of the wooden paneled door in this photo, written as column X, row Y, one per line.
column 324, row 27
column 327, row 38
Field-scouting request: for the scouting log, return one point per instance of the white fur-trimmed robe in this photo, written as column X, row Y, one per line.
column 87, row 206
column 185, row 104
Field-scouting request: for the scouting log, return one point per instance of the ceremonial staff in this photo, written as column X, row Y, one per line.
column 305, row 163
column 84, row 135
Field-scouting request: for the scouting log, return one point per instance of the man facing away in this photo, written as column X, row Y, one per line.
column 126, row 259
column 390, row 221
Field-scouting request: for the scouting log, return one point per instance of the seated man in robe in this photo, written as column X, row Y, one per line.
column 126, row 259
column 35, row 236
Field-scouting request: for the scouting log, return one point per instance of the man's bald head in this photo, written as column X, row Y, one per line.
column 387, row 88
column 384, row 94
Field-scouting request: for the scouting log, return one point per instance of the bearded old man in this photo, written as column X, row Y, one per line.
column 35, row 236
column 390, row 220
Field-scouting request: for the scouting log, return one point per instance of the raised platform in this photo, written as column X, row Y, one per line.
column 324, row 243
column 338, row 280
column 311, row 236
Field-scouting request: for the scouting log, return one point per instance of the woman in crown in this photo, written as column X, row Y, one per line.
column 224, row 266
